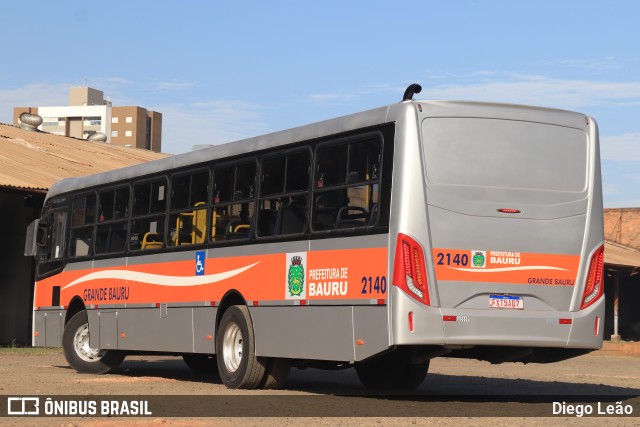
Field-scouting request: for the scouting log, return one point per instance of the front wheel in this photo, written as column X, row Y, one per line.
column 81, row 357
column 238, row 365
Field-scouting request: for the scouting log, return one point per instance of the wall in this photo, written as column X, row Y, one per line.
column 156, row 131
column 85, row 96
column 622, row 225
column 16, row 270
column 628, row 297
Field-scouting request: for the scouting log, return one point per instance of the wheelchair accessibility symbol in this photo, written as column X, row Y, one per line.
column 200, row 257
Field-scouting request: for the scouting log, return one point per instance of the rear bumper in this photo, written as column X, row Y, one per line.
column 526, row 328
column 499, row 327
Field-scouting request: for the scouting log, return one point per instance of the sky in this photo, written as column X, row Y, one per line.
column 220, row 71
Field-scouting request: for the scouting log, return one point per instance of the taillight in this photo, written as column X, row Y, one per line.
column 409, row 269
column 595, row 279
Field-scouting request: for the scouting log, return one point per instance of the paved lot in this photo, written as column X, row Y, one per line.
column 452, row 382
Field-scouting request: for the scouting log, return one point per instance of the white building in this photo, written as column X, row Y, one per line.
column 88, row 112
column 76, row 121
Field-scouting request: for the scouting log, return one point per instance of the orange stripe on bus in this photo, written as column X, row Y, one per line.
column 347, row 274
column 505, row 267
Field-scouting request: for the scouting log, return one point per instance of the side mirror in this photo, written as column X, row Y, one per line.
column 41, row 235
column 36, row 236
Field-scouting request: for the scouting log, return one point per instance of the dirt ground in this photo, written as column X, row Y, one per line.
column 452, row 382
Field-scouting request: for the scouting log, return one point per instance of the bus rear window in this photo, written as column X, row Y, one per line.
column 505, row 154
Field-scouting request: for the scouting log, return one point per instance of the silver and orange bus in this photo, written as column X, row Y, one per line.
column 378, row 241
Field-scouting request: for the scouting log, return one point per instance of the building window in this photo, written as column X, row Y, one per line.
column 114, row 133
column 128, row 133
column 93, row 121
column 129, row 119
column 114, row 120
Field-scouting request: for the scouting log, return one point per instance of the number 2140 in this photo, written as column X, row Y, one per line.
column 374, row 285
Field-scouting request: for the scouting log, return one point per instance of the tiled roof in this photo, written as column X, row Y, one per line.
column 35, row 160
column 616, row 254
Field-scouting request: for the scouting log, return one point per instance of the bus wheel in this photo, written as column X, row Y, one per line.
column 238, row 365
column 277, row 373
column 392, row 370
column 81, row 357
column 202, row 363
column 414, row 375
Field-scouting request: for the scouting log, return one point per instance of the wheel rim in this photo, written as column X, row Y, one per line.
column 232, row 347
column 81, row 345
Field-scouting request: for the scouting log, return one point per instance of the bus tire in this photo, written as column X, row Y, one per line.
column 277, row 373
column 414, row 375
column 392, row 370
column 238, row 365
column 201, row 363
column 81, row 357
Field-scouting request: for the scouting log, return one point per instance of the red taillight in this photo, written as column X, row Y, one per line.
column 594, row 288
column 409, row 269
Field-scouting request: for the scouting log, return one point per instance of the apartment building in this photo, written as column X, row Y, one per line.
column 88, row 112
column 136, row 127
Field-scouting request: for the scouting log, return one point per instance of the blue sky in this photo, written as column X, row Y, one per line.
column 225, row 70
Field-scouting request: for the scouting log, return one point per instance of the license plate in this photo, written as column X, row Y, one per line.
column 506, row 301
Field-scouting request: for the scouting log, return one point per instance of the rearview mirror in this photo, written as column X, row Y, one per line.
column 36, row 236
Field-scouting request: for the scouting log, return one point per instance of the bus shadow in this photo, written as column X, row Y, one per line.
column 346, row 382
column 172, row 368
column 454, row 387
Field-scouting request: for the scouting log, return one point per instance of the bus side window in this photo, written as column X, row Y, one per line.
column 113, row 224
column 187, row 190
column 331, row 161
column 233, row 210
column 347, row 189
column 83, row 216
column 188, row 205
column 283, row 193
column 273, row 170
column 57, row 232
column 149, row 207
column 239, row 222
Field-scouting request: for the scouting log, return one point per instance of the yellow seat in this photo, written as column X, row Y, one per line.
column 152, row 240
column 198, row 219
column 240, row 227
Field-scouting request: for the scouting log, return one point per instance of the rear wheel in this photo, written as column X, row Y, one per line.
column 79, row 355
column 414, row 375
column 202, row 363
column 395, row 369
column 277, row 373
column 238, row 365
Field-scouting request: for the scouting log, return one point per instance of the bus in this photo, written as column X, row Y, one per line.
column 377, row 240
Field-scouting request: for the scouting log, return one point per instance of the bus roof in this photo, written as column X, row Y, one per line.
column 316, row 130
column 325, row 128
